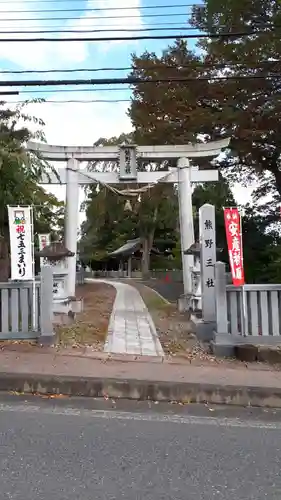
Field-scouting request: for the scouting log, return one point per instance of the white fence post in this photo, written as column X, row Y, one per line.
column 221, row 302
column 47, row 335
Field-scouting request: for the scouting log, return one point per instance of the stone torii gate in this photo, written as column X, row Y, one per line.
column 127, row 156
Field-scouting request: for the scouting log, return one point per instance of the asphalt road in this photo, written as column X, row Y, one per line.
column 79, row 450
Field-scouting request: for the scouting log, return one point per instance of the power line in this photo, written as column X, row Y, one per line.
column 257, row 65
column 49, row 1
column 170, row 14
column 148, row 25
column 96, row 89
column 131, row 38
column 71, row 101
column 130, row 80
column 19, row 72
column 115, row 28
column 118, row 30
column 100, row 9
column 9, row 2
column 42, row 1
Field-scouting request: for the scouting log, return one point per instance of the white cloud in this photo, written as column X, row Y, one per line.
column 41, row 54
column 80, row 123
column 69, row 123
column 116, row 19
column 35, row 55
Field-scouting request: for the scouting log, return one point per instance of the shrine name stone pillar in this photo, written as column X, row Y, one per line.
column 207, row 229
column 186, row 222
column 208, row 257
column 72, row 221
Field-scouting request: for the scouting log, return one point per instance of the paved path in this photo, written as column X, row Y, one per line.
column 131, row 329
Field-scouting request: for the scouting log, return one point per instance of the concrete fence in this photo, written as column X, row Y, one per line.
column 262, row 308
column 19, row 319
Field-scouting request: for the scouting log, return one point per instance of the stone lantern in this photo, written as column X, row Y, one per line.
column 194, row 250
column 55, row 255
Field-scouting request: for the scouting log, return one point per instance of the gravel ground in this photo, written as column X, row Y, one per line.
column 90, row 327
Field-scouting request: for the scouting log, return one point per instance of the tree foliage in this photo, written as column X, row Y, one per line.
column 248, row 103
column 247, row 110
column 108, row 226
column 20, row 171
column 169, row 112
column 244, row 106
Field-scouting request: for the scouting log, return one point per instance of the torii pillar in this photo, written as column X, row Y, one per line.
column 186, row 222
column 71, row 221
column 127, row 156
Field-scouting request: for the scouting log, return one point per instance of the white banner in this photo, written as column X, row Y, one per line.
column 21, row 243
column 44, row 241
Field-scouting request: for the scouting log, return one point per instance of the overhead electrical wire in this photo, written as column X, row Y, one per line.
column 14, row 2
column 63, row 18
column 130, row 80
column 71, row 101
column 139, row 37
column 115, row 30
column 163, row 24
column 253, row 65
column 99, row 9
column 96, row 89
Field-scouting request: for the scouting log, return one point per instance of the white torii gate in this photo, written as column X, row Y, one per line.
column 127, row 156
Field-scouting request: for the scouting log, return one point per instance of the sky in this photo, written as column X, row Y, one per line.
column 71, row 123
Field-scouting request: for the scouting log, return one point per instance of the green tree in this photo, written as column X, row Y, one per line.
column 245, row 110
column 108, row 226
column 261, row 244
column 220, row 195
column 20, row 171
column 248, row 109
column 169, row 112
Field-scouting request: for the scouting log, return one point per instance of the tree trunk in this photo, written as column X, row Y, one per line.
column 147, row 244
column 145, row 259
column 277, row 175
column 4, row 260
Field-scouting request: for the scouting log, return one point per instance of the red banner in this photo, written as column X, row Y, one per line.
column 232, row 222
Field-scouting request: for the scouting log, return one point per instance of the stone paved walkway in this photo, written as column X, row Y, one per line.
column 131, row 329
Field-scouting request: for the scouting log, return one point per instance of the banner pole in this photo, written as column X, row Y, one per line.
column 233, row 221
column 244, row 326
column 33, row 272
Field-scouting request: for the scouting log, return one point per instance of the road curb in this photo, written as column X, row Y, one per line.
column 135, row 389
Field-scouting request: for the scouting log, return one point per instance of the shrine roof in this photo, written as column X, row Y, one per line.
column 127, row 249
column 194, row 249
column 55, row 251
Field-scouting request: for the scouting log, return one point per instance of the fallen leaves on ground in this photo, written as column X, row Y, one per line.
column 89, row 327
